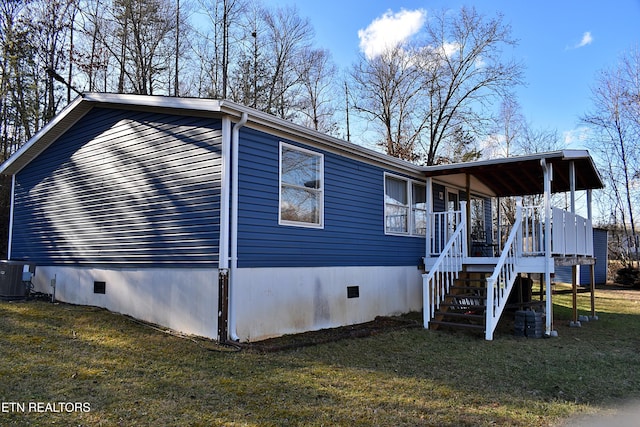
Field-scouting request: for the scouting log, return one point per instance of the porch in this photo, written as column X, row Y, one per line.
column 470, row 275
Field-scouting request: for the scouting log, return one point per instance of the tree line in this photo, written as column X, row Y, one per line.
column 420, row 98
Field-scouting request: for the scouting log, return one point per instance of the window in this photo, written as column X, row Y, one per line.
column 405, row 207
column 396, row 205
column 301, row 187
column 419, row 209
column 477, row 219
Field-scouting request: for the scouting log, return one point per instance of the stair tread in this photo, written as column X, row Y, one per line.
column 466, row 307
column 466, row 289
column 465, row 315
column 456, row 325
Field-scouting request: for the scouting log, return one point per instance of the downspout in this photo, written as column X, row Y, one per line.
column 235, row 136
column 223, row 244
column 547, row 177
column 13, row 196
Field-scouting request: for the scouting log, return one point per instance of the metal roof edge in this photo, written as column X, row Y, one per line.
column 268, row 120
column 82, row 104
column 566, row 154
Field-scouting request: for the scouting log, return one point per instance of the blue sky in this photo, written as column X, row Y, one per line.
column 563, row 44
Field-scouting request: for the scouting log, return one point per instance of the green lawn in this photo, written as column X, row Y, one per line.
column 127, row 374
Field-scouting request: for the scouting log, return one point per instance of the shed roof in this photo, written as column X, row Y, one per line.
column 523, row 175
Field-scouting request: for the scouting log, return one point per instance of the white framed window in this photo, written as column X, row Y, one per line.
column 405, row 206
column 301, row 187
column 419, row 209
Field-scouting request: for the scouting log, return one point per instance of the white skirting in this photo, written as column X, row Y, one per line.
column 264, row 302
column 268, row 302
column 184, row 299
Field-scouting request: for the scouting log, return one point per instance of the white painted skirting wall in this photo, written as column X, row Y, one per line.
column 184, row 299
column 276, row 301
column 267, row 302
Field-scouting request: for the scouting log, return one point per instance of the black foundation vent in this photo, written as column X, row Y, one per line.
column 99, row 287
column 353, row 291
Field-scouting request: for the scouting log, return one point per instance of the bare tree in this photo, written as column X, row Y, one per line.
column 317, row 73
column 144, row 29
column 615, row 122
column 288, row 37
column 388, row 90
column 464, row 73
column 429, row 95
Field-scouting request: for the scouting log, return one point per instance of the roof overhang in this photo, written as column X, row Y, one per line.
column 191, row 106
column 523, row 175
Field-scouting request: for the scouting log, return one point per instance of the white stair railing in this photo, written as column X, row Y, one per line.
column 500, row 283
column 437, row 282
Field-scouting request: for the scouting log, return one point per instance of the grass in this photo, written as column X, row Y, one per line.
column 132, row 375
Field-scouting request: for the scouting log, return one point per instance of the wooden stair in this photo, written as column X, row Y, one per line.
column 464, row 305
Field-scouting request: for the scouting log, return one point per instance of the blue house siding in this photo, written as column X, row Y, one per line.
column 122, row 188
column 600, row 252
column 353, row 232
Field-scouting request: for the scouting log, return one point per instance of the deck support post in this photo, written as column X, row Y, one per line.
column 592, row 271
column 547, row 171
column 575, row 323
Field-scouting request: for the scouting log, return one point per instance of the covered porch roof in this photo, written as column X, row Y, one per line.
column 524, row 175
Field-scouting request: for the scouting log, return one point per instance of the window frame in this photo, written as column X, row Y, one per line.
column 410, row 206
column 319, row 191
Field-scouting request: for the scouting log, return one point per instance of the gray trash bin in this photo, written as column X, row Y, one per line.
column 11, row 285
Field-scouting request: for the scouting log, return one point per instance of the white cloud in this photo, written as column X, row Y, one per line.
column 587, row 39
column 576, row 137
column 390, row 30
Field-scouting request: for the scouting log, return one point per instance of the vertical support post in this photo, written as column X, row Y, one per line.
column 574, row 289
column 463, row 218
column 467, row 212
column 499, row 225
column 592, row 270
column 572, row 185
column 547, row 171
column 429, row 208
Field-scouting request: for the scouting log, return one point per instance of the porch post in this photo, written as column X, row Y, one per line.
column 547, row 177
column 572, row 185
column 592, row 267
column 572, row 188
column 429, row 208
column 468, row 215
column 499, row 225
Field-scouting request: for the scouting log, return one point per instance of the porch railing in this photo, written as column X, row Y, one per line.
column 571, row 234
column 437, row 282
column 442, row 226
column 500, row 283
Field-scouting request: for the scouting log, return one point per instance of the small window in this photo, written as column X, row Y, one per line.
column 405, row 209
column 301, row 187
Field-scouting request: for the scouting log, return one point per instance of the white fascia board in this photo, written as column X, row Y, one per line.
column 260, row 119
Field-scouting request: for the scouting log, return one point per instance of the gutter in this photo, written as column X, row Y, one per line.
column 235, row 136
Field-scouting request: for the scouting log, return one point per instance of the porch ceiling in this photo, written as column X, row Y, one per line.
column 523, row 175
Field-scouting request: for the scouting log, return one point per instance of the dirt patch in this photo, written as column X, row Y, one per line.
column 379, row 325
